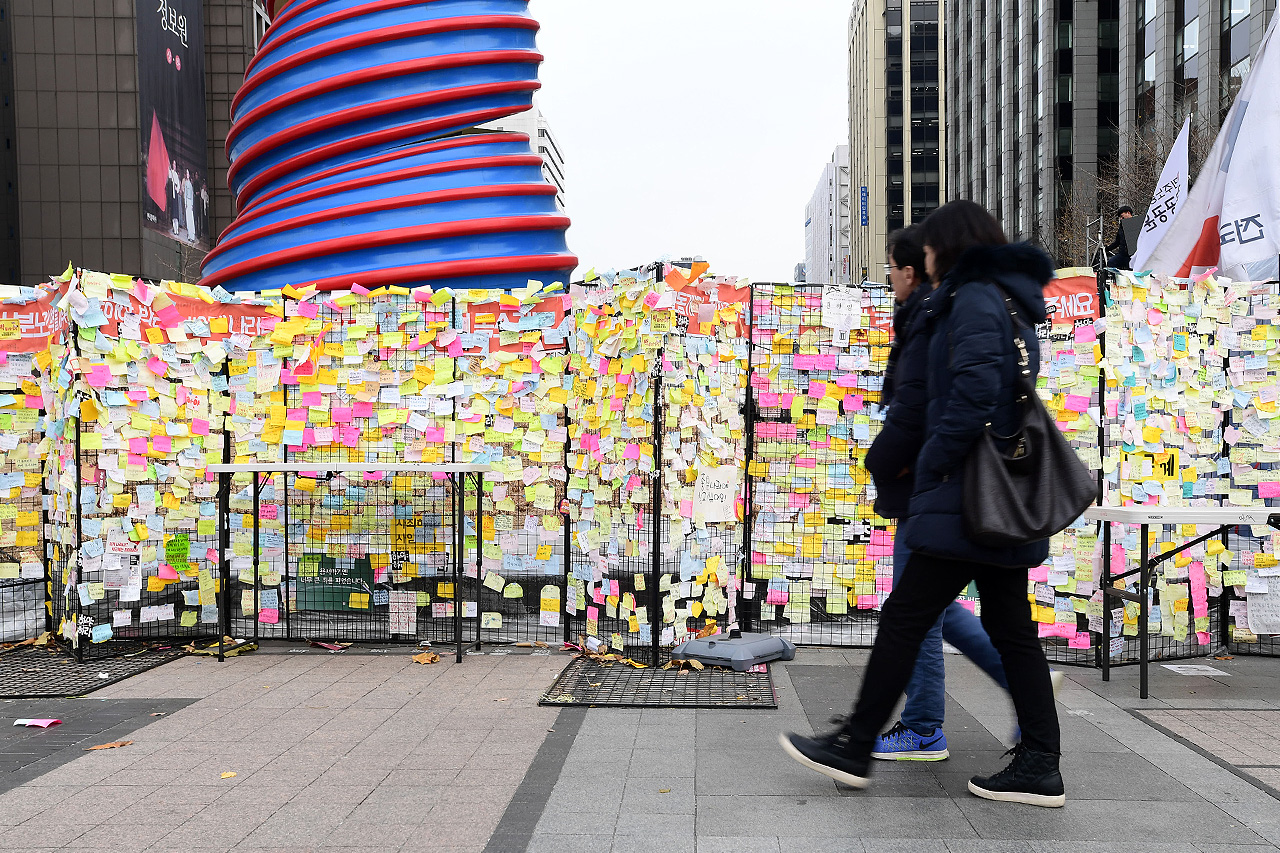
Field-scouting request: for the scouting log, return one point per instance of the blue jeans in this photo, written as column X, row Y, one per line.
column 927, row 689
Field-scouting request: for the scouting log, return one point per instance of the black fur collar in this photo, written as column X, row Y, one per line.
column 984, row 261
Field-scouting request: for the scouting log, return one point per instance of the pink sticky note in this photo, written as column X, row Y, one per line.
column 137, row 394
column 156, row 366
column 632, row 451
column 99, row 376
column 199, row 427
column 269, row 615
column 1154, row 316
column 307, row 309
column 167, row 572
column 356, row 288
column 312, row 398
column 341, row 415
column 138, row 445
column 686, row 509
column 868, row 602
column 162, row 444
column 455, row 348
column 362, row 409
column 1039, row 574
column 817, row 389
column 1077, row 403
column 1079, row 641
column 1113, row 406
column 1086, row 334
column 1269, row 489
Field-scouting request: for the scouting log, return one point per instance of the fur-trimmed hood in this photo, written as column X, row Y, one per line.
column 1020, row 268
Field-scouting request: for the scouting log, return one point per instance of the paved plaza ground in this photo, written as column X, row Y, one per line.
column 358, row 751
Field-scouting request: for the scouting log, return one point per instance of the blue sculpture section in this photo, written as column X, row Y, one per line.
column 355, row 156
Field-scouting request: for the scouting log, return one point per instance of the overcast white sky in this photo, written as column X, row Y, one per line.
column 693, row 126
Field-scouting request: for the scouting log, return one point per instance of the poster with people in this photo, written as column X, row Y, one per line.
column 176, row 196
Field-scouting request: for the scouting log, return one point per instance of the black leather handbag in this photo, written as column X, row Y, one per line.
column 1028, row 486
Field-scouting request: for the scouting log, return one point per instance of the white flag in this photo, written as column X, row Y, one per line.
column 1231, row 218
column 1171, row 192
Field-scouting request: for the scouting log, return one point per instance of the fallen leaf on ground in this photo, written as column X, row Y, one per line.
column 664, row 790
column 426, row 657
column 503, row 699
column 113, row 745
column 229, row 774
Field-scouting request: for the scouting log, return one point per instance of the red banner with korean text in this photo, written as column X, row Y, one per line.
column 26, row 327
column 1073, row 297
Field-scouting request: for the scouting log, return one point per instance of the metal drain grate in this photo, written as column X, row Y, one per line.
column 28, row 672
column 587, row 682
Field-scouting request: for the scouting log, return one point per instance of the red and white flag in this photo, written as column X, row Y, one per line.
column 1231, row 219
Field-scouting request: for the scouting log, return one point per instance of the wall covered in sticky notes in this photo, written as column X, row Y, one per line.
column 609, row 412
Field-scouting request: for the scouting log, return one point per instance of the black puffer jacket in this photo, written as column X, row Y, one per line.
column 972, row 370
column 899, row 440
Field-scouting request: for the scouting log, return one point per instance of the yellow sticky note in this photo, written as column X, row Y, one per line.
column 359, row 601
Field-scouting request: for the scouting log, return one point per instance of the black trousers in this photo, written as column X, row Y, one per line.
column 927, row 586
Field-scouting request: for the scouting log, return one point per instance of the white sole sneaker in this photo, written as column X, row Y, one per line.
column 918, row 755
column 1048, row 801
column 1057, row 679
column 839, row 775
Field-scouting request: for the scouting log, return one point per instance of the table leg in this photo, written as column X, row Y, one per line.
column 479, row 546
column 1105, row 650
column 257, row 550
column 458, row 542
column 1143, row 639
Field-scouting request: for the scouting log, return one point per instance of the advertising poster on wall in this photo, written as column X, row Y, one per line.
column 171, row 112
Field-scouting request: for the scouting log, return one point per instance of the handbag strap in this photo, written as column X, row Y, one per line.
column 1024, row 358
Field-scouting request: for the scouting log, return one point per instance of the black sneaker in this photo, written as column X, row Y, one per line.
column 829, row 755
column 1031, row 778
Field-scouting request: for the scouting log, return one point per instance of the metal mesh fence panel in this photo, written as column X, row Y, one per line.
column 613, row 589
column 22, row 445
column 821, row 561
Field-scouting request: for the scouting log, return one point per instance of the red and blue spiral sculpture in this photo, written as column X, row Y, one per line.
column 354, row 157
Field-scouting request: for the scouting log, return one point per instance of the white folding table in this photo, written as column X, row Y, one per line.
column 456, row 473
column 1222, row 518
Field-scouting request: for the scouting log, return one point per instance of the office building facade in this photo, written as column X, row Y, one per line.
column 74, row 163
column 1051, row 101
column 1189, row 57
column 897, row 122
column 1034, row 88
column 535, row 125
column 827, row 224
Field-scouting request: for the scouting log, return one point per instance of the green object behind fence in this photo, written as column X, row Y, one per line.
column 323, row 584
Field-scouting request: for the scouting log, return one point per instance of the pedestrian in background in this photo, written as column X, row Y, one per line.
column 891, row 461
column 973, row 377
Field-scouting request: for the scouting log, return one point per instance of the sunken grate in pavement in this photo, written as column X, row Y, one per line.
column 587, row 682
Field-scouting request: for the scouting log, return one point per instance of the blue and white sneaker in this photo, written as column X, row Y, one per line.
column 902, row 744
